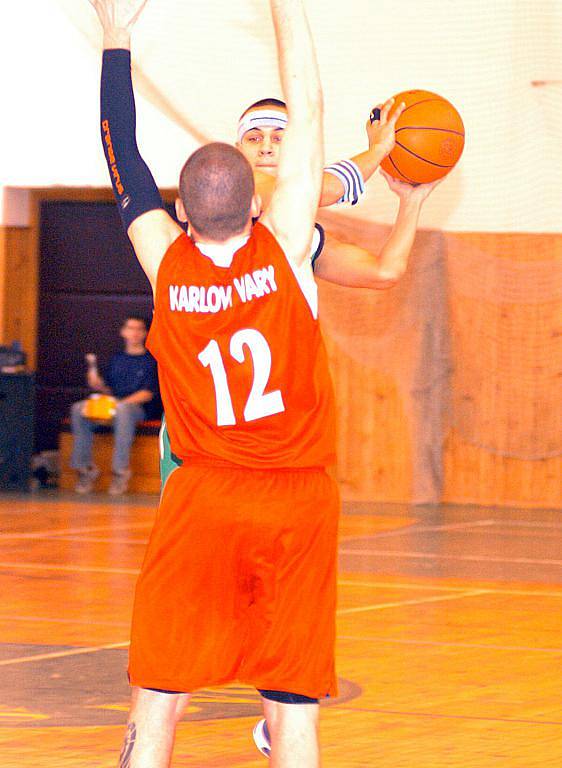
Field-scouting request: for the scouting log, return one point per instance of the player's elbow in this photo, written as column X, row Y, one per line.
column 390, row 267
column 383, row 279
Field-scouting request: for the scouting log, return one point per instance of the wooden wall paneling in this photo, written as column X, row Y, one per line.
column 17, row 287
column 507, row 390
column 373, row 438
column 3, row 285
column 474, row 475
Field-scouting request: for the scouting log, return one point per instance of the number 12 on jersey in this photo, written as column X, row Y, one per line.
column 259, row 403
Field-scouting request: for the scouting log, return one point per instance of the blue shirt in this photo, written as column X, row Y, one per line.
column 127, row 374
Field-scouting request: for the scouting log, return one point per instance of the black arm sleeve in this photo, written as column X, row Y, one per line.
column 133, row 185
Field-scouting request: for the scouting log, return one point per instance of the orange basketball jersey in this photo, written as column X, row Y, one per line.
column 243, row 369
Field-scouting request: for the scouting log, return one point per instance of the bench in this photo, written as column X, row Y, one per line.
column 144, row 458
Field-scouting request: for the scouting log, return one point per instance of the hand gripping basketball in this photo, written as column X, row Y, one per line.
column 415, row 193
column 429, row 138
column 381, row 128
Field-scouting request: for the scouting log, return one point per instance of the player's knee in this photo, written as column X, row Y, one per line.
column 159, row 705
column 289, row 711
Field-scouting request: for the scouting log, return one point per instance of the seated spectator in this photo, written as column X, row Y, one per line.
column 131, row 378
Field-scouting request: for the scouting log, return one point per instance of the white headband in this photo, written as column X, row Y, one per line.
column 261, row 118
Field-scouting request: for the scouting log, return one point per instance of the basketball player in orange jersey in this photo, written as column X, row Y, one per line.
column 238, row 581
column 259, row 137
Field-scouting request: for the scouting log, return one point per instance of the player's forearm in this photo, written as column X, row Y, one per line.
column 96, row 382
column 139, row 398
column 394, row 256
column 369, row 161
column 298, row 67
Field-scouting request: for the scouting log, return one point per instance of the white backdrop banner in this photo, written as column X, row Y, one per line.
column 198, row 64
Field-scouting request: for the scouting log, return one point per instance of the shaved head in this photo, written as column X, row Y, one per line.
column 216, row 189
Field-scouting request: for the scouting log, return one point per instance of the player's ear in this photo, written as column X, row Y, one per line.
column 180, row 211
column 256, row 208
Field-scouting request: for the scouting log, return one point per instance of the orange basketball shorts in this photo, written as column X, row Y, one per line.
column 239, row 583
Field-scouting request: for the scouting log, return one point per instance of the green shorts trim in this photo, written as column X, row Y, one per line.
column 168, row 460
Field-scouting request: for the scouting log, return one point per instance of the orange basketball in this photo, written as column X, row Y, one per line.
column 429, row 138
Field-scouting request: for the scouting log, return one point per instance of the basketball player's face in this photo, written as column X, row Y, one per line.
column 260, row 147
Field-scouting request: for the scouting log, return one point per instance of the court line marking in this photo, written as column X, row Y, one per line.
column 345, row 582
column 399, row 585
column 340, row 612
column 468, row 558
column 68, row 568
column 402, row 603
column 468, row 525
column 57, row 620
column 109, row 646
column 413, row 528
column 61, row 654
column 457, row 592
column 388, row 640
column 93, row 539
column 445, row 644
column 56, row 532
column 528, row 524
column 439, row 588
column 439, row 715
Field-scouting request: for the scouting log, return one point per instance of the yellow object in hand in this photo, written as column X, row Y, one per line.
column 100, row 407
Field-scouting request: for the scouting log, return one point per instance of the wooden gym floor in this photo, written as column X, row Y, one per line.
column 449, row 652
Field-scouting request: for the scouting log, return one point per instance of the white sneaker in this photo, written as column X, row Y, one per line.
column 86, row 479
column 119, row 483
column 262, row 738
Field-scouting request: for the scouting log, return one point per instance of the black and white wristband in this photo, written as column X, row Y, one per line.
column 351, row 177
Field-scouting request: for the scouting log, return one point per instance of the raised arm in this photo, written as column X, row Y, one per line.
column 140, row 206
column 344, row 181
column 292, row 210
column 356, row 267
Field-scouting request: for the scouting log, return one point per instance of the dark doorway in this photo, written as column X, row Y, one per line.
column 89, row 281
